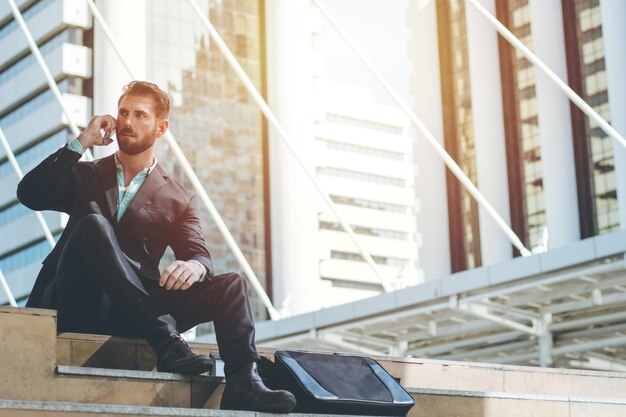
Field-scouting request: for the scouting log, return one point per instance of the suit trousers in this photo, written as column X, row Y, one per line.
column 99, row 292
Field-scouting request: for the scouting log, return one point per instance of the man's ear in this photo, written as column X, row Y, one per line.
column 162, row 127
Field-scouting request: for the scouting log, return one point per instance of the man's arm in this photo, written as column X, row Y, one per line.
column 193, row 262
column 48, row 186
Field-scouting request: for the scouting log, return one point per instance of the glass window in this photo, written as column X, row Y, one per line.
column 35, row 154
column 368, row 231
column 527, row 124
column 26, row 256
column 381, row 260
column 363, row 150
column 36, row 103
column 600, row 146
column 12, row 213
column 462, row 136
column 361, row 176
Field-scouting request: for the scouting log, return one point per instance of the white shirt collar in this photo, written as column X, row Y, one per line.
column 149, row 169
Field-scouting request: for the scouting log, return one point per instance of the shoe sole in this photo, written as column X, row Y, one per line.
column 190, row 368
column 282, row 407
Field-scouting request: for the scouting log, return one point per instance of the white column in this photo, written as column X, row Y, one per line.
column 430, row 181
column 293, row 200
column 614, row 32
column 555, row 129
column 127, row 21
column 489, row 138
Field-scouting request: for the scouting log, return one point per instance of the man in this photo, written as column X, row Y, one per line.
column 102, row 276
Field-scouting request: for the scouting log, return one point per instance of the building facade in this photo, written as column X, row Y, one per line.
column 358, row 147
column 550, row 172
column 33, row 121
column 364, row 161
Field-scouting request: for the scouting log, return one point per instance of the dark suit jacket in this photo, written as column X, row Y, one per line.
column 161, row 214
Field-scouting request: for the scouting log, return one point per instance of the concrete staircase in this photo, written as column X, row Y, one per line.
column 45, row 374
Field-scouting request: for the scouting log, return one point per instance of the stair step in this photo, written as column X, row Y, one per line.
column 90, row 371
column 37, row 408
column 417, row 392
column 130, row 374
column 429, row 403
column 462, row 403
column 123, row 353
column 62, row 408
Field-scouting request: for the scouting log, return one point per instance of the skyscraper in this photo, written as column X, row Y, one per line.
column 594, row 152
column 364, row 161
column 551, row 174
column 459, row 133
column 502, row 118
column 33, row 120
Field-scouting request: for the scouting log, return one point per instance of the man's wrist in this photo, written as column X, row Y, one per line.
column 76, row 146
column 202, row 270
column 83, row 141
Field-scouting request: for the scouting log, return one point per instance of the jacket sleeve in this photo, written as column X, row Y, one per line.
column 49, row 185
column 188, row 240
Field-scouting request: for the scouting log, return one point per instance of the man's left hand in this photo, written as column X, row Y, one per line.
column 181, row 275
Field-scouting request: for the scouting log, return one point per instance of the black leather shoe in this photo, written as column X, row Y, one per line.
column 174, row 355
column 246, row 391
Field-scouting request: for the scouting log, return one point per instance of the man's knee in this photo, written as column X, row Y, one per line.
column 94, row 222
column 237, row 280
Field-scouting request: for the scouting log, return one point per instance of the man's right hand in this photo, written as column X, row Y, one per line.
column 92, row 136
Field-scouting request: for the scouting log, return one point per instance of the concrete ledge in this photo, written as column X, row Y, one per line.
column 610, row 243
column 29, row 311
column 514, row 396
column 122, row 373
column 68, row 407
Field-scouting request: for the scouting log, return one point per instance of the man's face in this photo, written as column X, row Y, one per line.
column 137, row 125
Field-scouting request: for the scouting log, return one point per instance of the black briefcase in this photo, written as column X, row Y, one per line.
column 337, row 384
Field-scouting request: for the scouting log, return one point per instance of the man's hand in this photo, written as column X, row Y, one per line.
column 181, row 275
column 92, row 135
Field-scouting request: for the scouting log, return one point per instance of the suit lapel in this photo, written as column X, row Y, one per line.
column 108, row 178
column 154, row 182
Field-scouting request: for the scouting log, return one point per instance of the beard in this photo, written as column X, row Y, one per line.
column 136, row 145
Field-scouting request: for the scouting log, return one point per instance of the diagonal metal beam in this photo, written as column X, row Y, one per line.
column 447, row 347
column 588, row 321
column 34, row 49
column 492, row 350
column 376, row 341
column 260, row 102
column 563, row 350
column 528, row 284
column 447, row 159
column 575, row 98
column 7, row 148
column 449, row 331
column 338, row 341
column 580, row 287
column 596, row 298
column 7, row 290
column 512, row 311
column 592, row 333
column 481, row 311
